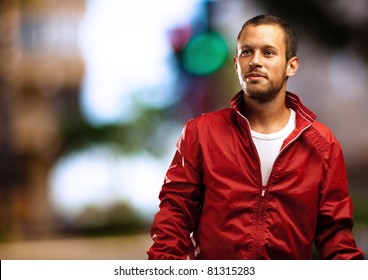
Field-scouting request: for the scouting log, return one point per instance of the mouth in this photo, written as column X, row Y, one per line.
column 255, row 76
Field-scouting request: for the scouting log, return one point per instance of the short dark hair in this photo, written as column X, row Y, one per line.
column 291, row 41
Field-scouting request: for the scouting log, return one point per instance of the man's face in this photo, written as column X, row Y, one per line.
column 261, row 63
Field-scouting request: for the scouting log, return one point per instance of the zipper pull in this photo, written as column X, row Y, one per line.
column 263, row 191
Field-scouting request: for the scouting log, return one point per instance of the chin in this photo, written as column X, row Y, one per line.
column 261, row 96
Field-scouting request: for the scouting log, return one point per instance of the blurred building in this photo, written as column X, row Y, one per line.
column 40, row 73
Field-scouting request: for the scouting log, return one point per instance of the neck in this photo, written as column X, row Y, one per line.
column 267, row 117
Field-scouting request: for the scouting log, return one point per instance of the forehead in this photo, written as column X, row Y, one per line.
column 261, row 35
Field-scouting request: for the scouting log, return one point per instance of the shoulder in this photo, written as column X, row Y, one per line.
column 208, row 125
column 321, row 136
column 324, row 131
column 218, row 117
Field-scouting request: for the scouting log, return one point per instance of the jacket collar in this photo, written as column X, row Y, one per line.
column 303, row 114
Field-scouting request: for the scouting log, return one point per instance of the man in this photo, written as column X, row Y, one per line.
column 261, row 179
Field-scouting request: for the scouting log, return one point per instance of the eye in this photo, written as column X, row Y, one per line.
column 270, row 53
column 245, row 52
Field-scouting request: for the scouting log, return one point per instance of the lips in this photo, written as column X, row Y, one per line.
column 255, row 75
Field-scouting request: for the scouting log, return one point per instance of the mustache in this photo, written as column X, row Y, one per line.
column 257, row 73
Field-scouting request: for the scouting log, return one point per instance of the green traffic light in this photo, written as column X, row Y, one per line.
column 205, row 53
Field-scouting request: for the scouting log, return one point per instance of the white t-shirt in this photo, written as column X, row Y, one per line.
column 269, row 145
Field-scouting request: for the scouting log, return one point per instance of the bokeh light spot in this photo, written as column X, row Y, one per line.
column 205, row 53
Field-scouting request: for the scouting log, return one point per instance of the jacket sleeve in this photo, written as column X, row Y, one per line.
column 334, row 239
column 180, row 200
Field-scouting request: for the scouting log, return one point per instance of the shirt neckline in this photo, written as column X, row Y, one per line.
column 279, row 134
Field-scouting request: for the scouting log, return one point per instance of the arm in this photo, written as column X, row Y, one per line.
column 334, row 239
column 181, row 199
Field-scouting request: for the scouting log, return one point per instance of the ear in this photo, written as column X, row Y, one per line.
column 292, row 66
column 236, row 63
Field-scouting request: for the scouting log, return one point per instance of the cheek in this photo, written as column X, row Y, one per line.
column 244, row 68
column 279, row 71
column 239, row 70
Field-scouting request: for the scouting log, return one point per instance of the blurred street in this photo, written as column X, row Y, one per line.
column 104, row 248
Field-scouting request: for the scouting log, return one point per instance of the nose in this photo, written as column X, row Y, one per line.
column 255, row 60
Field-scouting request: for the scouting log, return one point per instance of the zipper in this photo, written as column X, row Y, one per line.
column 256, row 152
column 263, row 191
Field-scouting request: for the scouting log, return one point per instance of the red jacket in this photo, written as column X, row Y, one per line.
column 213, row 188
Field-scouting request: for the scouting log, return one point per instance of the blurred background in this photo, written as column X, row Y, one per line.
column 94, row 94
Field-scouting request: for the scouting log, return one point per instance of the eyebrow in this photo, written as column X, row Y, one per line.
column 263, row 47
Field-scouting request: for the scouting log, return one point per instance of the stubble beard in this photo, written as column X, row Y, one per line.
column 263, row 93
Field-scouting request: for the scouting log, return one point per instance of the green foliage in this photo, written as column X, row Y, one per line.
column 117, row 219
column 135, row 136
column 360, row 199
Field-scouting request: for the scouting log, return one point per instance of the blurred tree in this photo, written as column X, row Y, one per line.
column 137, row 135
column 119, row 218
